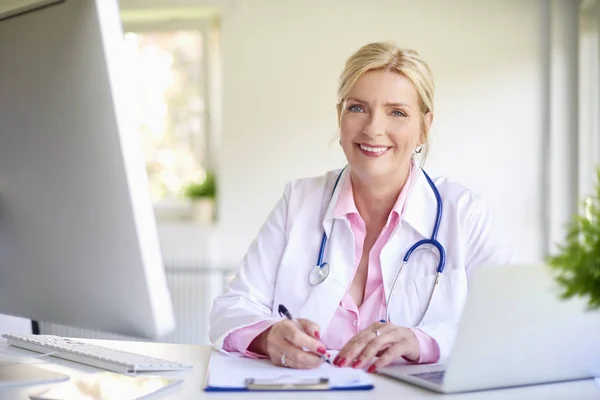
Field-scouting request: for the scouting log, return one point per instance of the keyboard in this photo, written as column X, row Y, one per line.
column 436, row 377
column 92, row 355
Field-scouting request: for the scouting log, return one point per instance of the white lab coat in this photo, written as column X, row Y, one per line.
column 276, row 266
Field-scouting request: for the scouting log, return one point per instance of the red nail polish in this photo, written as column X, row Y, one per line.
column 336, row 359
column 317, row 335
column 321, row 350
column 356, row 363
column 342, row 362
column 372, row 369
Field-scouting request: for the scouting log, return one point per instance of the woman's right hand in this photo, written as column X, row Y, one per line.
column 285, row 338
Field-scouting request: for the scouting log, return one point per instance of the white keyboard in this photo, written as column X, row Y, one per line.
column 93, row 355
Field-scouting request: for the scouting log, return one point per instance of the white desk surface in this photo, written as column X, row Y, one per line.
column 198, row 356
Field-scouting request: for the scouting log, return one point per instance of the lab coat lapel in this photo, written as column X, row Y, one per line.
column 324, row 298
column 417, row 223
column 421, row 206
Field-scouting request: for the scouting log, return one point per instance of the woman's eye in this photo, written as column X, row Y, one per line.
column 398, row 113
column 355, row 108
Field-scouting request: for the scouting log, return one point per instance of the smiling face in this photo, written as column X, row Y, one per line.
column 381, row 124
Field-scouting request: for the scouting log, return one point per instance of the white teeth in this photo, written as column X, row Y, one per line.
column 374, row 149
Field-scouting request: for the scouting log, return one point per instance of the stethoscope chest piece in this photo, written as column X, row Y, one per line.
column 318, row 274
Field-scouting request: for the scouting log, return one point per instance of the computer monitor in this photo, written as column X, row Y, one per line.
column 78, row 239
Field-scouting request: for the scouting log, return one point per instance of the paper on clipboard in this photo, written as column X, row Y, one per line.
column 231, row 373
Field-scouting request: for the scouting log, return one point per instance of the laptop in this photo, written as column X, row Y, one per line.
column 515, row 330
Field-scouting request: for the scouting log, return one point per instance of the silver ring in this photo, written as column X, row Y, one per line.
column 377, row 333
column 283, row 360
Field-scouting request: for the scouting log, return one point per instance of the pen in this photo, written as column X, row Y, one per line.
column 283, row 311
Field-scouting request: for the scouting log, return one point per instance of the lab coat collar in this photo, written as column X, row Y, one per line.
column 333, row 198
column 421, row 205
column 419, row 209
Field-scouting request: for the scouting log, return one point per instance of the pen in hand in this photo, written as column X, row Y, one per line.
column 283, row 312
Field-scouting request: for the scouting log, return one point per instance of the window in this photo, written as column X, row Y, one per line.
column 170, row 107
column 174, row 68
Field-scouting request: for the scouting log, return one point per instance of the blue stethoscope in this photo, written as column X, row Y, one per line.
column 320, row 271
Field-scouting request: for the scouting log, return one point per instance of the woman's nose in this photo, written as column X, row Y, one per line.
column 375, row 125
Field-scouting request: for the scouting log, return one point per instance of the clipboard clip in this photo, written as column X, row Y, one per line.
column 281, row 384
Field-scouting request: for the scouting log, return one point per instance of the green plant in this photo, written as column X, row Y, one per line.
column 205, row 189
column 578, row 261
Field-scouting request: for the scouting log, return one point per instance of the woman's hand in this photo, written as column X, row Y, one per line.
column 290, row 346
column 386, row 341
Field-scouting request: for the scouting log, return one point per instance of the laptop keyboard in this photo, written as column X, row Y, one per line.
column 435, row 377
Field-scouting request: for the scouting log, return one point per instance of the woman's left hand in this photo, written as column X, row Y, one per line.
column 384, row 340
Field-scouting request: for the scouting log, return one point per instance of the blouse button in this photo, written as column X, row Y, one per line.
column 355, row 322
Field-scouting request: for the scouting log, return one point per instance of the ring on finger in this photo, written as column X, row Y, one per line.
column 283, row 360
column 377, row 333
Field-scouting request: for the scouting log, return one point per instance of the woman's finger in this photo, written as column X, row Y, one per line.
column 373, row 347
column 352, row 349
column 298, row 358
column 356, row 345
column 384, row 348
column 294, row 357
column 287, row 338
column 394, row 352
column 296, row 336
column 310, row 328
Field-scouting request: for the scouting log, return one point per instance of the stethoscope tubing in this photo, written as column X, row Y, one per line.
column 431, row 241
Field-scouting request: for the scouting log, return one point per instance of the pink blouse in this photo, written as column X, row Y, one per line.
column 348, row 318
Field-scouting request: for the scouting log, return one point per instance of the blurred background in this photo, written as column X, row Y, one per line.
column 237, row 97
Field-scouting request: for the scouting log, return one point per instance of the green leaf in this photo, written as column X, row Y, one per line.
column 577, row 262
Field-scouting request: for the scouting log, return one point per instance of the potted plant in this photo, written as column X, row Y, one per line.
column 203, row 197
column 577, row 263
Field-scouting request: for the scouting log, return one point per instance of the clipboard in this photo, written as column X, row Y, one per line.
column 268, row 384
column 235, row 373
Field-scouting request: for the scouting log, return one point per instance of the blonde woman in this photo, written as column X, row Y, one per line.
column 331, row 252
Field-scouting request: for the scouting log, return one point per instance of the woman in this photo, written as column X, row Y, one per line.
column 372, row 212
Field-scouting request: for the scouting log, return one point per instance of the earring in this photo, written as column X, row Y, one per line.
column 418, row 149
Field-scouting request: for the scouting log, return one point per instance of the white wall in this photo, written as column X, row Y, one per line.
column 281, row 64
column 493, row 63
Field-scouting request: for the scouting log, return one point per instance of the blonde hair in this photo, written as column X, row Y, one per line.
column 389, row 57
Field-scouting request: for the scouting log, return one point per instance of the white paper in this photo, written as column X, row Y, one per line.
column 598, row 381
column 231, row 372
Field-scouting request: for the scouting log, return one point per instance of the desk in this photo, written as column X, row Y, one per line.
column 198, row 356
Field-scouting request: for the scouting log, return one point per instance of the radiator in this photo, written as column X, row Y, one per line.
column 192, row 290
